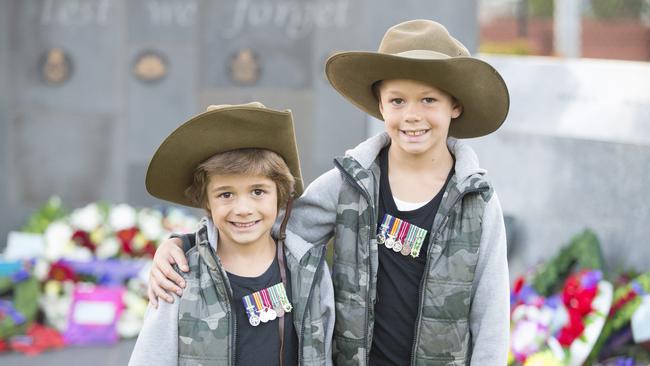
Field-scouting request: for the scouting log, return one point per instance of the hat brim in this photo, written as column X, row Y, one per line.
column 477, row 85
column 171, row 169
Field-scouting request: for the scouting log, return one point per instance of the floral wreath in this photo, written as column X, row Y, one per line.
column 558, row 315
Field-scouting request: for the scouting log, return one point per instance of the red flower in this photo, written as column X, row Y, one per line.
column 572, row 330
column 149, row 249
column 576, row 297
column 60, row 271
column 519, row 283
column 126, row 238
column 82, row 238
column 37, row 339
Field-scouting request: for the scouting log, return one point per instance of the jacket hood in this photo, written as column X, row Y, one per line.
column 466, row 167
column 294, row 244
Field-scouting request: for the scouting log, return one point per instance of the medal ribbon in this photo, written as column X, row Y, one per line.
column 396, row 224
column 283, row 296
column 258, row 301
column 404, row 227
column 274, row 297
column 410, row 236
column 419, row 239
column 248, row 304
column 266, row 299
column 385, row 222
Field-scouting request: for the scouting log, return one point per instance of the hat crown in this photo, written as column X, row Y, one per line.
column 213, row 107
column 421, row 35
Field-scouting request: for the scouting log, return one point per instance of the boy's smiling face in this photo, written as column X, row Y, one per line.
column 416, row 115
column 242, row 207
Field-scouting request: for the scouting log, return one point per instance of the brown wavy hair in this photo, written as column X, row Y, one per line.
column 261, row 162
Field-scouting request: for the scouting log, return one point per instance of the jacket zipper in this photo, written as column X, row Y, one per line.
column 366, row 195
column 432, row 243
column 311, row 291
column 233, row 317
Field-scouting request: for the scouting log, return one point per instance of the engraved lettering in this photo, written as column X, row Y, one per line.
column 75, row 13
column 297, row 19
column 165, row 13
column 238, row 22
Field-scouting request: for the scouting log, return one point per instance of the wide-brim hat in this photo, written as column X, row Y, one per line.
column 423, row 50
column 221, row 128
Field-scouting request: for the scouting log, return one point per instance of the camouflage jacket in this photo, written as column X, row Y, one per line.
column 199, row 328
column 449, row 325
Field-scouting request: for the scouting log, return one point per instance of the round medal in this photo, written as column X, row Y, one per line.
column 406, row 249
column 381, row 238
column 264, row 316
column 287, row 307
column 397, row 246
column 254, row 320
column 272, row 314
column 279, row 311
column 389, row 243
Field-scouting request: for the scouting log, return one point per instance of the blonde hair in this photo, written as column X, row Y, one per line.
column 261, row 162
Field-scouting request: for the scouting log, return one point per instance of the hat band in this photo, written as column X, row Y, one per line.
column 422, row 55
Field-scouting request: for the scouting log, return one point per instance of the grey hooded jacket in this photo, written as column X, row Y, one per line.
column 464, row 307
column 170, row 334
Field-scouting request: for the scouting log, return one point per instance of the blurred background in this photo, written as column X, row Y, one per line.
column 89, row 88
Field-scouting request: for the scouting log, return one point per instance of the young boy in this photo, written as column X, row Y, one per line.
column 420, row 271
column 251, row 298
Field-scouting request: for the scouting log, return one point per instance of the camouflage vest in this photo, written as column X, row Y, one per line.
column 207, row 325
column 442, row 334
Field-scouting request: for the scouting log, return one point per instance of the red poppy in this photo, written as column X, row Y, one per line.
column 37, row 339
column 60, row 271
column 519, row 283
column 126, row 239
column 82, row 238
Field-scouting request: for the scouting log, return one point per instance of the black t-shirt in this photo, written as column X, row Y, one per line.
column 398, row 279
column 260, row 345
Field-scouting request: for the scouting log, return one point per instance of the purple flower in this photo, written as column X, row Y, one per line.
column 591, row 278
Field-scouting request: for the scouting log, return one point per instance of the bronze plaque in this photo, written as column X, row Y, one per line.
column 150, row 66
column 56, row 66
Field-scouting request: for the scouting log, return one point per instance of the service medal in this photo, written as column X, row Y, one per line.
column 254, row 320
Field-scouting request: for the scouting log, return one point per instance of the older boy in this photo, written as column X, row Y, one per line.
column 244, row 294
column 420, row 271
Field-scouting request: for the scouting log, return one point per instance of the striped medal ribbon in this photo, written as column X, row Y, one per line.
column 253, row 318
column 268, row 306
column 264, row 317
column 419, row 239
column 394, row 226
column 405, row 246
column 286, row 304
column 399, row 243
column 381, row 236
column 275, row 300
column 409, row 240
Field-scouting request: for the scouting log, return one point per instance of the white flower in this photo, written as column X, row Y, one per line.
column 58, row 237
column 55, row 302
column 41, row 269
column 178, row 222
column 108, row 248
column 81, row 254
column 86, row 218
column 150, row 223
column 129, row 324
column 122, row 217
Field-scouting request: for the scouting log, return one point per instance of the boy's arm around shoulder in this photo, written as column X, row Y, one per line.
column 328, row 311
column 157, row 342
column 313, row 217
column 490, row 311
